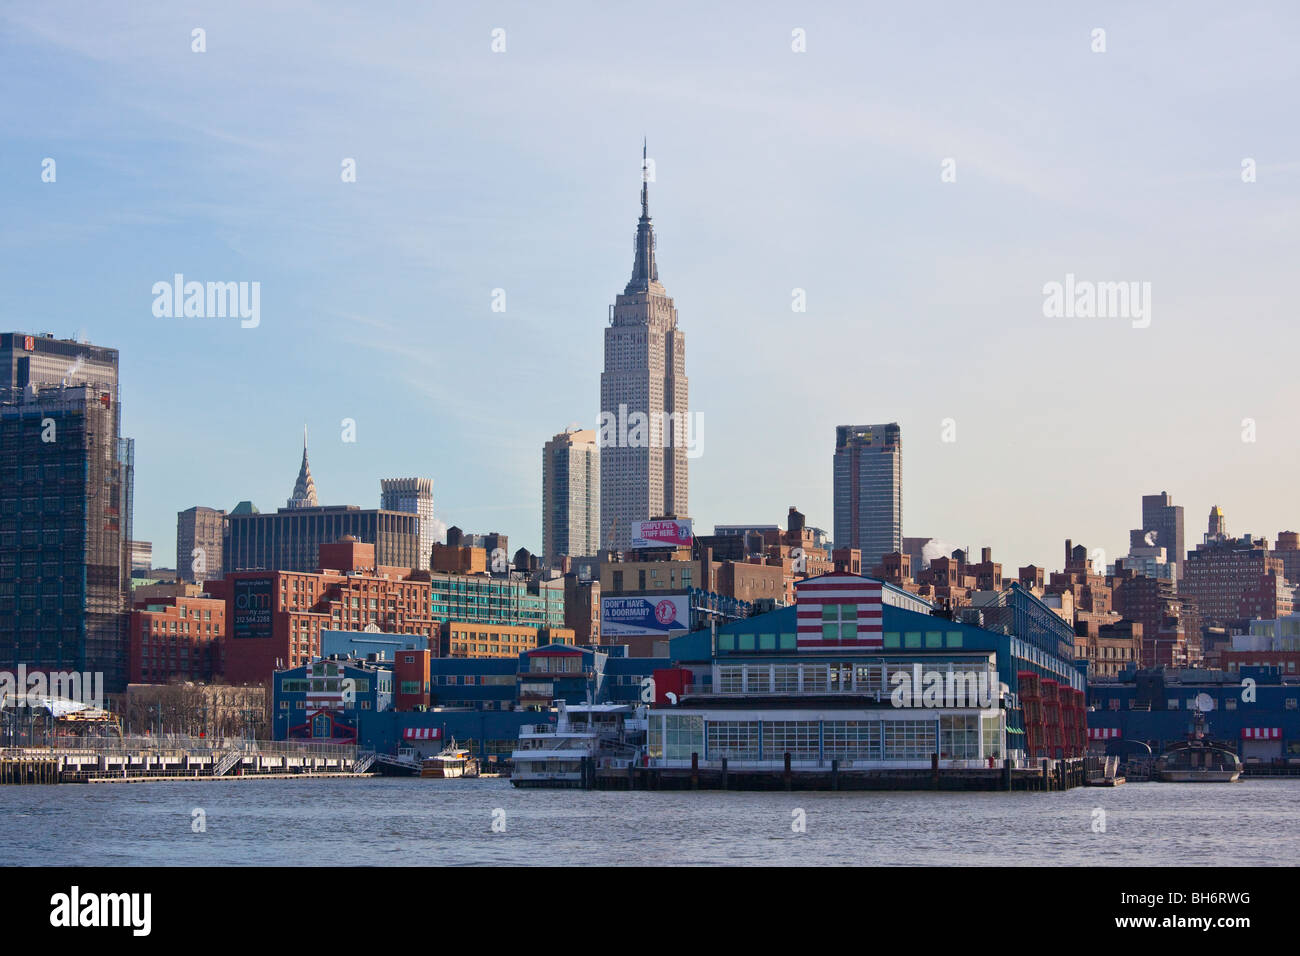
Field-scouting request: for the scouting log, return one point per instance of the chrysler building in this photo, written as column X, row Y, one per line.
column 643, row 421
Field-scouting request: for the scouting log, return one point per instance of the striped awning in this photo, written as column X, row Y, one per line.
column 1261, row 733
column 422, row 733
column 1104, row 733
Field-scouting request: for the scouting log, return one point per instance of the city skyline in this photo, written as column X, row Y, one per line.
column 790, row 185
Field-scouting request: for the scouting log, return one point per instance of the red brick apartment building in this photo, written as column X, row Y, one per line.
column 276, row 617
column 176, row 638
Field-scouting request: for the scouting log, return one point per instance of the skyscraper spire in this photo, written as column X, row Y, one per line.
column 304, row 489
column 644, row 270
column 645, row 183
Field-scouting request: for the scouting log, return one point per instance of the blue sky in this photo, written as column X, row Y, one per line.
column 775, row 170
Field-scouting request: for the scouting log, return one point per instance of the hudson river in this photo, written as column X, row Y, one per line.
column 404, row 822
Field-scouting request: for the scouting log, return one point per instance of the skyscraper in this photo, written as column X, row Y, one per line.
column 868, row 490
column 304, row 489
column 65, row 509
column 200, row 530
column 290, row 539
column 413, row 496
column 643, row 399
column 570, row 496
column 1161, row 515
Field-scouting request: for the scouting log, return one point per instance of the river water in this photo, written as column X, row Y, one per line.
column 401, row 822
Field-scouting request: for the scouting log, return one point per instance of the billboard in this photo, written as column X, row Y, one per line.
column 253, row 599
column 664, row 533
column 660, row 615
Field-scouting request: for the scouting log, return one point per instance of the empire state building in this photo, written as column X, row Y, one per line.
column 644, row 423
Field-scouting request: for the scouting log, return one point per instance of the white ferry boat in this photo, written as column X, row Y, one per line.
column 555, row 755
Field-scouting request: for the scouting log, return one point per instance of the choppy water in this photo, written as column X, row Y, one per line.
column 400, row 822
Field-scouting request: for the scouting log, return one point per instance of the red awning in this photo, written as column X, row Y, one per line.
column 1261, row 733
column 422, row 733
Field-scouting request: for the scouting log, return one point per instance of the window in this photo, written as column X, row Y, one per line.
column 798, row 738
column 908, row 739
column 814, row 678
column 870, row 678
column 851, row 739
column 959, row 737
column 730, row 678
column 683, row 735
column 785, row 678
column 734, row 739
column 839, row 622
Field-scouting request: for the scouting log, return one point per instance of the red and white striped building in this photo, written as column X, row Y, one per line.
column 838, row 612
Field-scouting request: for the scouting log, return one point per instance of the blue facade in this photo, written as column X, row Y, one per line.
column 489, row 735
column 481, row 702
column 1158, row 707
column 326, row 700
column 1025, row 636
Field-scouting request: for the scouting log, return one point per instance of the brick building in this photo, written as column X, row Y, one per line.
column 1236, row 579
column 176, row 638
column 276, row 617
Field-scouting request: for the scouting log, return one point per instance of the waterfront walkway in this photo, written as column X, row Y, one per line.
column 96, row 760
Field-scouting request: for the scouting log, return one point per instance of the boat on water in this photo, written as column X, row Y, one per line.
column 451, row 761
column 583, row 737
column 1198, row 760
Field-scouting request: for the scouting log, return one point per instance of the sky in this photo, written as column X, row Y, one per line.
column 922, row 172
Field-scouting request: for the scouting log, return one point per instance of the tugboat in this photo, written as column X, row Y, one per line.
column 1197, row 760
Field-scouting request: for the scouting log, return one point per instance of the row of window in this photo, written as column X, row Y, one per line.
column 959, row 737
column 842, row 627
column 1174, row 703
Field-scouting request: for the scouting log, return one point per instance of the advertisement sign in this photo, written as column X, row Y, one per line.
column 666, row 533
column 657, row 615
column 254, row 598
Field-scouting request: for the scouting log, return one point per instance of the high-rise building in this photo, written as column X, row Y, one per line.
column 45, row 360
column 644, row 424
column 1288, row 551
column 868, row 490
column 570, row 496
column 1216, row 528
column 141, row 555
column 304, row 489
column 1161, row 515
column 1233, row 580
column 65, row 509
column 199, row 536
column 290, row 539
column 413, row 496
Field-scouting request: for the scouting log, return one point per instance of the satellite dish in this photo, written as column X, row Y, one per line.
column 1204, row 703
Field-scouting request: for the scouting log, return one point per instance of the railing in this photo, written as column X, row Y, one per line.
column 227, row 762
column 363, row 761
column 194, row 745
column 807, row 691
